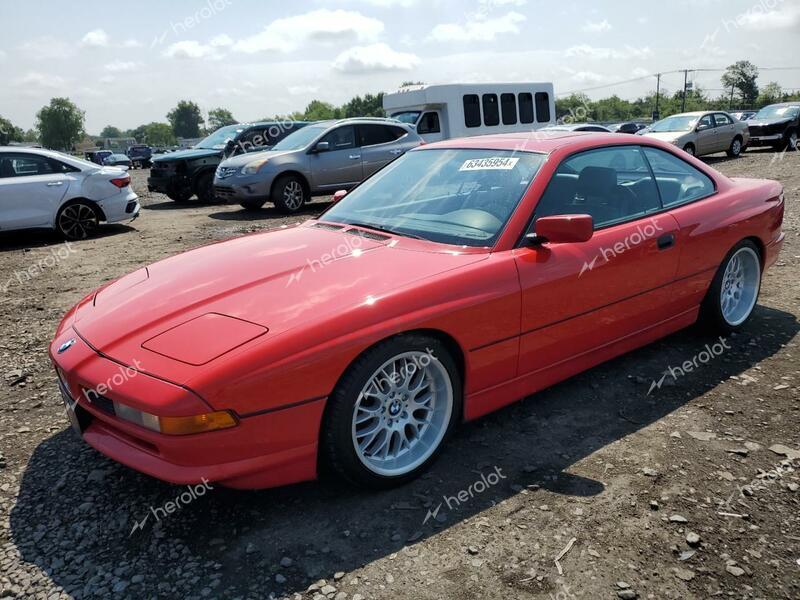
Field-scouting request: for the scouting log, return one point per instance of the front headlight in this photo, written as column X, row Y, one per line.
column 175, row 425
column 254, row 167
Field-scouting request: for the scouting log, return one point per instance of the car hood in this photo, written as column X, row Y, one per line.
column 189, row 154
column 243, row 159
column 667, row 136
column 184, row 312
column 762, row 122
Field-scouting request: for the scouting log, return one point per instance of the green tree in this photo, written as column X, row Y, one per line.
column 741, row 76
column 317, row 110
column 9, row 132
column 186, row 119
column 60, row 124
column 220, row 117
column 31, row 136
column 770, row 94
column 154, row 134
column 109, row 131
column 368, row 106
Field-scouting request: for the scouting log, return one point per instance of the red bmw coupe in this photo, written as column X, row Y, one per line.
column 465, row 275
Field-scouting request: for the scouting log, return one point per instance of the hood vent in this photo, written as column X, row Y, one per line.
column 328, row 226
column 369, row 235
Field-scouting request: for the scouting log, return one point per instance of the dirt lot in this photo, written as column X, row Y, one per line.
column 688, row 492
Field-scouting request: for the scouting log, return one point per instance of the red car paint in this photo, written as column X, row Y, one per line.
column 297, row 305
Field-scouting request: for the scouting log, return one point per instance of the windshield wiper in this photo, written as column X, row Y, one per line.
column 388, row 230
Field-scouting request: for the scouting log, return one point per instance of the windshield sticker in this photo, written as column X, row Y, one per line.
column 492, row 163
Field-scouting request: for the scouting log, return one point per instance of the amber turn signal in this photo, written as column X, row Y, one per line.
column 196, row 423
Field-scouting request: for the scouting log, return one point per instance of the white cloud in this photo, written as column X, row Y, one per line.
column 221, row 41
column 373, row 58
column 47, row 48
column 107, row 79
column 40, row 80
column 640, row 72
column 95, row 38
column 122, row 65
column 586, row 51
column 189, row 49
column 131, row 44
column 302, row 90
column 596, row 26
column 759, row 19
column 323, row 25
column 483, row 30
column 587, row 77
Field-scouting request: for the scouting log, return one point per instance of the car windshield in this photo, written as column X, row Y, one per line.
column 218, row 139
column 778, row 112
column 676, row 123
column 461, row 197
column 408, row 116
column 301, row 138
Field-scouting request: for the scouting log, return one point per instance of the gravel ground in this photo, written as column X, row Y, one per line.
column 592, row 489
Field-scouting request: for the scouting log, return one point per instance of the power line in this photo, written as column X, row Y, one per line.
column 643, row 77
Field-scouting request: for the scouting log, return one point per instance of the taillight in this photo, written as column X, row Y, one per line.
column 122, row 182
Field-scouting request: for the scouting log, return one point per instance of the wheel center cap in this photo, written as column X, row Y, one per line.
column 394, row 408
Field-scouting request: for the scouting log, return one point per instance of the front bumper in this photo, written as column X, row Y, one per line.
column 765, row 140
column 159, row 184
column 237, row 189
column 263, row 450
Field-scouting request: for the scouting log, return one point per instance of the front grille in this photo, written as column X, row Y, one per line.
column 756, row 130
column 225, row 172
column 223, row 192
column 100, row 402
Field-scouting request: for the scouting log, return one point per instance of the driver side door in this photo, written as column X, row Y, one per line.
column 340, row 166
column 578, row 298
column 706, row 136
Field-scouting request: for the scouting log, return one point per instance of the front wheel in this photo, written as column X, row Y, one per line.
column 205, row 188
column 690, row 149
column 733, row 294
column 389, row 416
column 790, row 143
column 736, row 148
column 289, row 194
column 179, row 194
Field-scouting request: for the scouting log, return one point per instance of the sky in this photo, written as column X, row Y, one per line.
column 126, row 64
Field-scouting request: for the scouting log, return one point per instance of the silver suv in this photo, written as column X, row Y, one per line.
column 317, row 160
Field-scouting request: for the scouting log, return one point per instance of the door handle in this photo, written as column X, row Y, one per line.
column 666, row 241
column 355, row 156
column 396, row 152
column 55, row 183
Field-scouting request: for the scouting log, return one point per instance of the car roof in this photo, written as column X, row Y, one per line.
column 545, row 141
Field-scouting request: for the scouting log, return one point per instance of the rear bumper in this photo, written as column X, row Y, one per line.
column 123, row 208
column 263, row 450
column 773, row 250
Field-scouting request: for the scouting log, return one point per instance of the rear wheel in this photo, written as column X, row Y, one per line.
column 736, row 148
column 289, row 194
column 733, row 294
column 179, row 194
column 389, row 416
column 77, row 221
column 204, row 187
column 689, row 149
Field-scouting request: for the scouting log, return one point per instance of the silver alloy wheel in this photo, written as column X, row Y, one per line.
column 736, row 148
column 793, row 141
column 689, row 149
column 402, row 413
column 293, row 195
column 740, row 285
column 77, row 221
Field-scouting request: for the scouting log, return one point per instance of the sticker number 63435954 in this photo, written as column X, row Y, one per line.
column 502, row 163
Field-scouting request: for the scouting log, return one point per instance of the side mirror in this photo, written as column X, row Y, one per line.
column 562, row 229
column 322, row 147
column 339, row 195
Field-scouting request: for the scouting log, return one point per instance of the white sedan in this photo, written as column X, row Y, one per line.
column 45, row 189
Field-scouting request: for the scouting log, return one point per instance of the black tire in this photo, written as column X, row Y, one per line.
column 338, row 455
column 289, row 194
column 180, row 195
column 711, row 312
column 251, row 204
column 690, row 149
column 204, row 188
column 77, row 220
column 789, row 141
column 736, row 149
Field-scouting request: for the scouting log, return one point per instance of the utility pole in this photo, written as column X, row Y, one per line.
column 657, row 114
column 730, row 102
column 685, row 81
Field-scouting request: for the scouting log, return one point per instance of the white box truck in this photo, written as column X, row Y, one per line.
column 440, row 112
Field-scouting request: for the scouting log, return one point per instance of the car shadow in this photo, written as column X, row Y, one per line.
column 269, row 212
column 117, row 517
column 40, row 238
column 171, row 205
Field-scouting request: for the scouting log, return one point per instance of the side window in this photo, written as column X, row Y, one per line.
column 429, row 123
column 372, row 135
column 542, row 107
column 526, row 108
column 611, row 184
column 508, row 106
column 28, row 165
column 253, row 139
column 722, row 119
column 491, row 111
column 705, row 123
column 472, row 110
column 341, row 138
column 678, row 181
column 398, row 132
